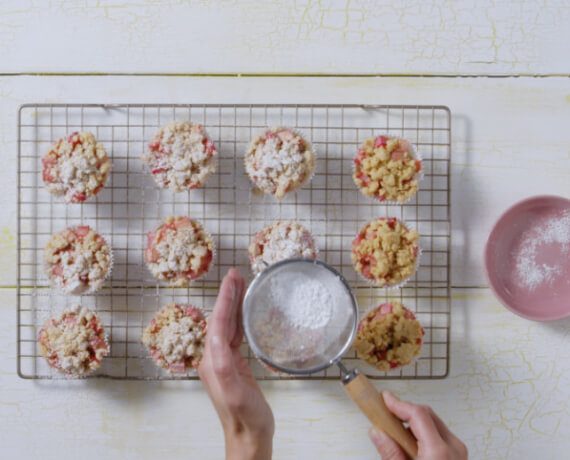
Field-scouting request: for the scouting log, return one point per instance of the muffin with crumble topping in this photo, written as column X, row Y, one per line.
column 388, row 169
column 78, row 260
column 179, row 250
column 279, row 241
column 279, row 161
column 389, row 336
column 74, row 342
column 180, row 156
column 176, row 337
column 76, row 167
column 386, row 252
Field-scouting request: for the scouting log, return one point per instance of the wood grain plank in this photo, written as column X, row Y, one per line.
column 418, row 37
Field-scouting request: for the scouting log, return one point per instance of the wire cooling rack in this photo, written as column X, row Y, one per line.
column 232, row 211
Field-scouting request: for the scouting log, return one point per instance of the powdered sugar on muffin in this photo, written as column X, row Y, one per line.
column 77, row 260
column 385, row 168
column 180, row 156
column 75, row 167
column 176, row 337
column 388, row 337
column 385, row 251
column 74, row 341
column 179, row 251
column 279, row 161
column 280, row 241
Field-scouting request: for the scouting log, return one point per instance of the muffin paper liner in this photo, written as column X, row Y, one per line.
column 413, row 151
column 369, row 369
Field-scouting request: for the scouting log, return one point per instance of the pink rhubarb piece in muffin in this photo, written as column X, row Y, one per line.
column 175, row 337
column 386, row 168
column 75, row 167
column 385, row 252
column 280, row 241
column 179, row 250
column 180, row 156
column 74, row 341
column 77, row 260
column 388, row 337
column 279, row 161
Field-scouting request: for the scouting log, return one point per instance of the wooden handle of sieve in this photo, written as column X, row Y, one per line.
column 372, row 404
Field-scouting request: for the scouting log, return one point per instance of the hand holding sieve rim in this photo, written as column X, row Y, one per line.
column 316, row 345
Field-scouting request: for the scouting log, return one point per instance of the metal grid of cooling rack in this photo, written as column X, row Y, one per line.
column 232, row 211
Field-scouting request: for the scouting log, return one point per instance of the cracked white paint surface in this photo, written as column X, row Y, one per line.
column 301, row 36
column 507, row 393
column 508, row 389
column 506, row 397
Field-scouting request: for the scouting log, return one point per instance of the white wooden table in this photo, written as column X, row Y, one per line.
column 504, row 71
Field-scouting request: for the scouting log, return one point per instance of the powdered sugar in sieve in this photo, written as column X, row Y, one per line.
column 304, row 302
column 299, row 315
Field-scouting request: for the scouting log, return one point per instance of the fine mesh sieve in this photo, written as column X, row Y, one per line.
column 300, row 317
column 299, row 345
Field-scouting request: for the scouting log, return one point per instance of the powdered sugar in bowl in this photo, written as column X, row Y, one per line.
column 527, row 258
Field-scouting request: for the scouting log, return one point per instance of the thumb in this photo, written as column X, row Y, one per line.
column 387, row 447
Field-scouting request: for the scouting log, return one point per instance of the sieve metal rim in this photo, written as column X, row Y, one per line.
column 253, row 345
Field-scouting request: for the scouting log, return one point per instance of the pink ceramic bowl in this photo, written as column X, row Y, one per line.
column 527, row 258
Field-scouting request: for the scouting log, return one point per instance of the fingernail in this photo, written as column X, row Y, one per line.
column 377, row 436
column 389, row 394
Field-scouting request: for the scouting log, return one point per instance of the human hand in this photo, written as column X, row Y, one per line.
column 245, row 415
column 435, row 441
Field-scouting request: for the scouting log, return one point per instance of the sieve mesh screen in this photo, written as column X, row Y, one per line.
column 299, row 316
